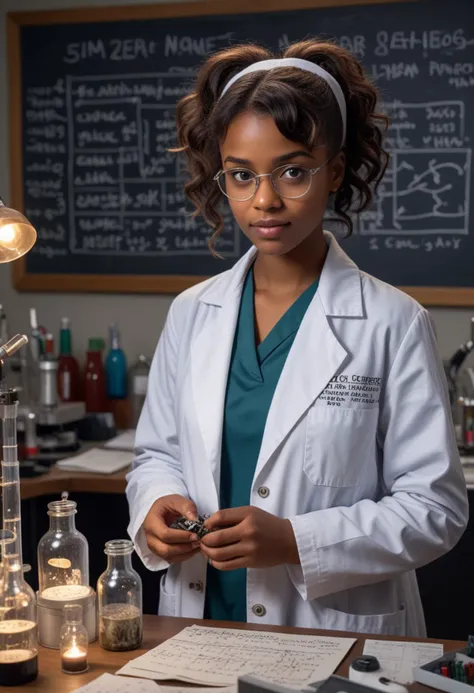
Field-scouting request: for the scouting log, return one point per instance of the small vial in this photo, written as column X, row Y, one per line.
column 73, row 641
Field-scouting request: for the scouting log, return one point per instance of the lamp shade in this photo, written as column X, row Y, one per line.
column 17, row 235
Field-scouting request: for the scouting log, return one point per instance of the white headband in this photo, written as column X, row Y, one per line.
column 266, row 65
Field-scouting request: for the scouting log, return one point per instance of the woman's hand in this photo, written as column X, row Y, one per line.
column 249, row 537
column 173, row 545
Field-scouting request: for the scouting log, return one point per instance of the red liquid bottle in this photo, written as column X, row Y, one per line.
column 95, row 393
column 69, row 378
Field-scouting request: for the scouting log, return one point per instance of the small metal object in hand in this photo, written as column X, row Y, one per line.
column 196, row 526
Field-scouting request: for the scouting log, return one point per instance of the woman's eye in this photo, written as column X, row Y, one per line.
column 292, row 173
column 242, row 176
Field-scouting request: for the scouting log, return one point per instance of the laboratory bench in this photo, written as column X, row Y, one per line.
column 445, row 584
column 157, row 629
column 57, row 480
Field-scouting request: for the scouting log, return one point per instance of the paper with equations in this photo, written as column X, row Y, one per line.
column 98, row 118
column 218, row 656
column 398, row 659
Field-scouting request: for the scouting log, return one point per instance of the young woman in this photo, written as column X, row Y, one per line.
column 297, row 401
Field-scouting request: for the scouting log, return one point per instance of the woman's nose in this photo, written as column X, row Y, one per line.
column 266, row 196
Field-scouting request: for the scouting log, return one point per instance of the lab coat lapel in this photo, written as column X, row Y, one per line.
column 210, row 358
column 316, row 354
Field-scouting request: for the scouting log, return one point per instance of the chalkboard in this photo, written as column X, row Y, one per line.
column 93, row 96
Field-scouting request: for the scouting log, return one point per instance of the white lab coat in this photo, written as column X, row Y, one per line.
column 358, row 451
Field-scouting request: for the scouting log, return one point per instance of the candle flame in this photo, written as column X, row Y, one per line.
column 74, row 652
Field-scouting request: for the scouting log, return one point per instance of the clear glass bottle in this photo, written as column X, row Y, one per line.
column 73, row 641
column 63, row 552
column 119, row 591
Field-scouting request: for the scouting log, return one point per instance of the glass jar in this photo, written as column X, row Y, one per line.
column 119, row 592
column 73, row 641
column 63, row 552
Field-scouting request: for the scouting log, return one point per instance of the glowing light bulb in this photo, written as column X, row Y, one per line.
column 17, row 235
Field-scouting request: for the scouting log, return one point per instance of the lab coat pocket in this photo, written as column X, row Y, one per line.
column 384, row 624
column 167, row 604
column 340, row 443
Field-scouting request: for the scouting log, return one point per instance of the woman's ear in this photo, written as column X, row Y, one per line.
column 338, row 167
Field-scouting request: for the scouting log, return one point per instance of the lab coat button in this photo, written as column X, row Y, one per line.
column 259, row 610
column 263, row 492
column 198, row 586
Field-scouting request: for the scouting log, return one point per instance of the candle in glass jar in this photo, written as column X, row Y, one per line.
column 74, row 660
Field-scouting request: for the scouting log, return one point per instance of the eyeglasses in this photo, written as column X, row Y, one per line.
column 288, row 181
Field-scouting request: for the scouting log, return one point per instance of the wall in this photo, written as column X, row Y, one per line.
column 140, row 317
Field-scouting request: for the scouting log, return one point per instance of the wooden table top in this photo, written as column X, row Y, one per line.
column 157, row 629
column 57, row 480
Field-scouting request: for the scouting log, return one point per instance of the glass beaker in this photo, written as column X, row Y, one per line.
column 119, row 592
column 63, row 552
column 73, row 641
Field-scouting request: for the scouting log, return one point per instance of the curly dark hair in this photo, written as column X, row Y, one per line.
column 304, row 110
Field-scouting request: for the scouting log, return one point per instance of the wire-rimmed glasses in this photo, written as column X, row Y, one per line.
column 290, row 181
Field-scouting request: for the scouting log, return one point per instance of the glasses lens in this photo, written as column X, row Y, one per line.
column 291, row 181
column 237, row 184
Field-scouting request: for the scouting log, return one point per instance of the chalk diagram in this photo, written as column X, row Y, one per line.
column 125, row 188
column 426, row 188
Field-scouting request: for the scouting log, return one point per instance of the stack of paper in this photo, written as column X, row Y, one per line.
column 108, row 683
column 398, row 658
column 98, row 461
column 218, row 656
column 124, row 441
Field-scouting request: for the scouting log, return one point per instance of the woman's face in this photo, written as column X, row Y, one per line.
column 276, row 225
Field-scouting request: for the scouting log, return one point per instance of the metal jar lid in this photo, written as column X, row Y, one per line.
column 56, row 597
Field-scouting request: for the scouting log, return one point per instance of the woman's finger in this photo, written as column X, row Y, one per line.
column 171, row 551
column 223, row 537
column 231, row 565
column 225, row 553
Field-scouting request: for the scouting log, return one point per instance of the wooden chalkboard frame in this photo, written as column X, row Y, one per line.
column 24, row 281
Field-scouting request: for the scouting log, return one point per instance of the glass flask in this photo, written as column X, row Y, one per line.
column 119, row 592
column 63, row 553
column 73, row 641
column 18, row 629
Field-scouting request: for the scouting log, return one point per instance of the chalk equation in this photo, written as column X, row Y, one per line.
column 100, row 179
column 125, row 188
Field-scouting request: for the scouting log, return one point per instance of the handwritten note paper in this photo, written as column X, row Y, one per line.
column 218, row 656
column 108, row 683
column 397, row 659
column 124, row 441
column 98, row 461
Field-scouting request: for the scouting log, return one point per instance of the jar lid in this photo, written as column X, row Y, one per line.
column 58, row 597
column 62, row 508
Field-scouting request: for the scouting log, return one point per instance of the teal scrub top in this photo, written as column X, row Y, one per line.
column 253, row 376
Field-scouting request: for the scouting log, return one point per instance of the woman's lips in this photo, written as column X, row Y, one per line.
column 269, row 232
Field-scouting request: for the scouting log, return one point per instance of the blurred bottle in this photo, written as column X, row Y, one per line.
column 48, row 374
column 49, row 345
column 3, row 326
column 139, row 374
column 95, row 395
column 116, row 367
column 69, row 379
